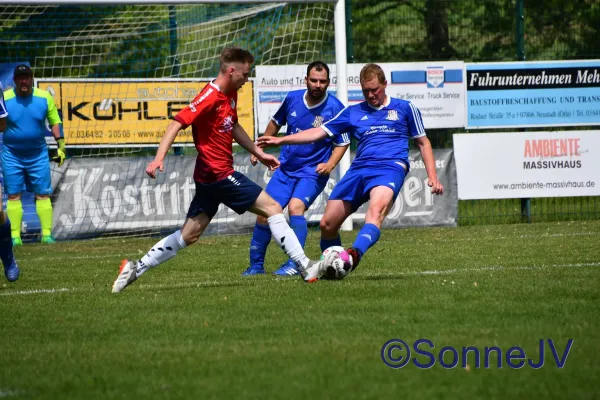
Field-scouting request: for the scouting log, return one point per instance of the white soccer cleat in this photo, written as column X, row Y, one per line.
column 127, row 275
column 312, row 272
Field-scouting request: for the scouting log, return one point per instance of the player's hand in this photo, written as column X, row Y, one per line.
column 153, row 166
column 61, row 154
column 324, row 169
column 269, row 141
column 436, row 186
column 253, row 160
column 270, row 161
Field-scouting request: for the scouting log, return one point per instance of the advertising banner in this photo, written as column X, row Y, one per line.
column 96, row 196
column 435, row 88
column 533, row 94
column 130, row 112
column 527, row 164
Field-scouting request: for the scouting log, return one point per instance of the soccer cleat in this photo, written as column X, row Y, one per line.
column 48, row 239
column 17, row 241
column 288, row 268
column 355, row 257
column 254, row 270
column 127, row 275
column 12, row 272
column 312, row 272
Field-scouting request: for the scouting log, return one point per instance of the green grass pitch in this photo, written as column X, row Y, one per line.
column 193, row 328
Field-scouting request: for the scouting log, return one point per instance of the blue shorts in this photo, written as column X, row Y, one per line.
column 283, row 188
column 236, row 192
column 356, row 184
column 33, row 171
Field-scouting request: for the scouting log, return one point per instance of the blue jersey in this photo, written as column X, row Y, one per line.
column 26, row 129
column 382, row 133
column 302, row 160
column 3, row 112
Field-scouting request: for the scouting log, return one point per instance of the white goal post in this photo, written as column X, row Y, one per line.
column 78, row 60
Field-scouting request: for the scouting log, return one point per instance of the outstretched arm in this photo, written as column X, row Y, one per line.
column 163, row 148
column 307, row 136
column 424, row 146
column 241, row 137
column 272, row 130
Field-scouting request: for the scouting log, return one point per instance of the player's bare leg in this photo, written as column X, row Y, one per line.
column 336, row 212
column 162, row 251
column 381, row 200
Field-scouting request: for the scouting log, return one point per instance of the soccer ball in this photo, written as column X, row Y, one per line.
column 336, row 263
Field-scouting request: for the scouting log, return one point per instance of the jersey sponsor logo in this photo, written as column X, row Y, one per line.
column 193, row 104
column 364, row 118
column 392, row 115
column 293, row 114
column 318, row 121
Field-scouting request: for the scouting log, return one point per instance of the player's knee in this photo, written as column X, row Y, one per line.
column 328, row 227
column 261, row 220
column 296, row 207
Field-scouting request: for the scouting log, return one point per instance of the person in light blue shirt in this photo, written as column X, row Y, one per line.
column 11, row 269
column 383, row 127
column 305, row 169
column 25, row 156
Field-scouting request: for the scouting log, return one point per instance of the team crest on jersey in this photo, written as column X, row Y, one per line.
column 227, row 124
column 392, row 115
column 317, row 122
column 232, row 102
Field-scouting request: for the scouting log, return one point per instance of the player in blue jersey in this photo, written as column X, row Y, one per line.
column 11, row 269
column 383, row 126
column 305, row 169
column 25, row 155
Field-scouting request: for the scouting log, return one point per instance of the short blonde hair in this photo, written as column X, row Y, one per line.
column 371, row 71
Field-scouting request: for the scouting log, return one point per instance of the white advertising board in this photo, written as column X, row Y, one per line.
column 435, row 88
column 527, row 164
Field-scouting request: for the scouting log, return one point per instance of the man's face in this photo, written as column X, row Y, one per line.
column 374, row 91
column 317, row 83
column 23, row 85
column 239, row 74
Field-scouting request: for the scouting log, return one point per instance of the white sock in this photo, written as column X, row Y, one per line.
column 162, row 251
column 287, row 240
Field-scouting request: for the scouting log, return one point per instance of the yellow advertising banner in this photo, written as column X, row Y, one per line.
column 101, row 112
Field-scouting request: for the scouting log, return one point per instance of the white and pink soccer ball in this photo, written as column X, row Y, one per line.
column 337, row 263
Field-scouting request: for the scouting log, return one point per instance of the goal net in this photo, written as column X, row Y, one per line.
column 119, row 73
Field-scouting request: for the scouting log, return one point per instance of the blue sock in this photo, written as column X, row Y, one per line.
column 6, row 246
column 261, row 237
column 327, row 243
column 298, row 225
column 367, row 237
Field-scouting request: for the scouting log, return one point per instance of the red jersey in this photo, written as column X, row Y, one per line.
column 212, row 115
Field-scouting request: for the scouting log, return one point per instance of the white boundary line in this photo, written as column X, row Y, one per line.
column 253, row 282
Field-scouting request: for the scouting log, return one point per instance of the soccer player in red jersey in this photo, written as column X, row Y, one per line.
column 213, row 117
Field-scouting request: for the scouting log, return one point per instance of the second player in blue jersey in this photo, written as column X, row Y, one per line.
column 305, row 169
column 383, row 126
